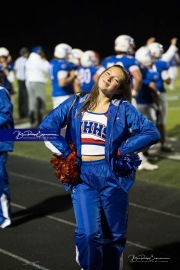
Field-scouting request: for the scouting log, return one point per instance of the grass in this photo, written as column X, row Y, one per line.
column 168, row 173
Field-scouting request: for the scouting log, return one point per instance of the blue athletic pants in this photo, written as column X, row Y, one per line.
column 101, row 212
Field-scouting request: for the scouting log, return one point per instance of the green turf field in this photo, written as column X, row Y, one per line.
column 168, row 173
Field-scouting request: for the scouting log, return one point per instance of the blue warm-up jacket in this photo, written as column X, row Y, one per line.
column 128, row 130
column 6, row 118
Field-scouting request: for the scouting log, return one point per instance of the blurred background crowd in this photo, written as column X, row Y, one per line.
column 73, row 70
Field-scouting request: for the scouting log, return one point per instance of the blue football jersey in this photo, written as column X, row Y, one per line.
column 127, row 61
column 159, row 66
column 85, row 76
column 57, row 66
column 144, row 95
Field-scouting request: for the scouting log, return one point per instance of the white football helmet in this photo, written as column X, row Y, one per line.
column 156, row 49
column 143, row 55
column 89, row 58
column 75, row 56
column 62, row 50
column 4, row 51
column 124, row 43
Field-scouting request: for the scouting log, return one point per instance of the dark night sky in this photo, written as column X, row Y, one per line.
column 88, row 24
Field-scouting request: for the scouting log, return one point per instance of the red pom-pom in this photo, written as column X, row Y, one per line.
column 66, row 168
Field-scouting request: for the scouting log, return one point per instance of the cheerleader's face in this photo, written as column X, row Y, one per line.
column 109, row 81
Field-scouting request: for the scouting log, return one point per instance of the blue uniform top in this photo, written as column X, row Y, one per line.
column 159, row 66
column 127, row 61
column 57, row 66
column 85, row 76
column 144, row 95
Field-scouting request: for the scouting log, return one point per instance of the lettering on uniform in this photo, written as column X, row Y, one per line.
column 93, row 128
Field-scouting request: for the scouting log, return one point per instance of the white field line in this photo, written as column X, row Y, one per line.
column 59, row 185
column 155, row 210
column 35, row 179
column 131, row 204
column 172, row 98
column 173, row 108
column 35, row 265
column 23, row 260
column 176, row 156
column 138, row 245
